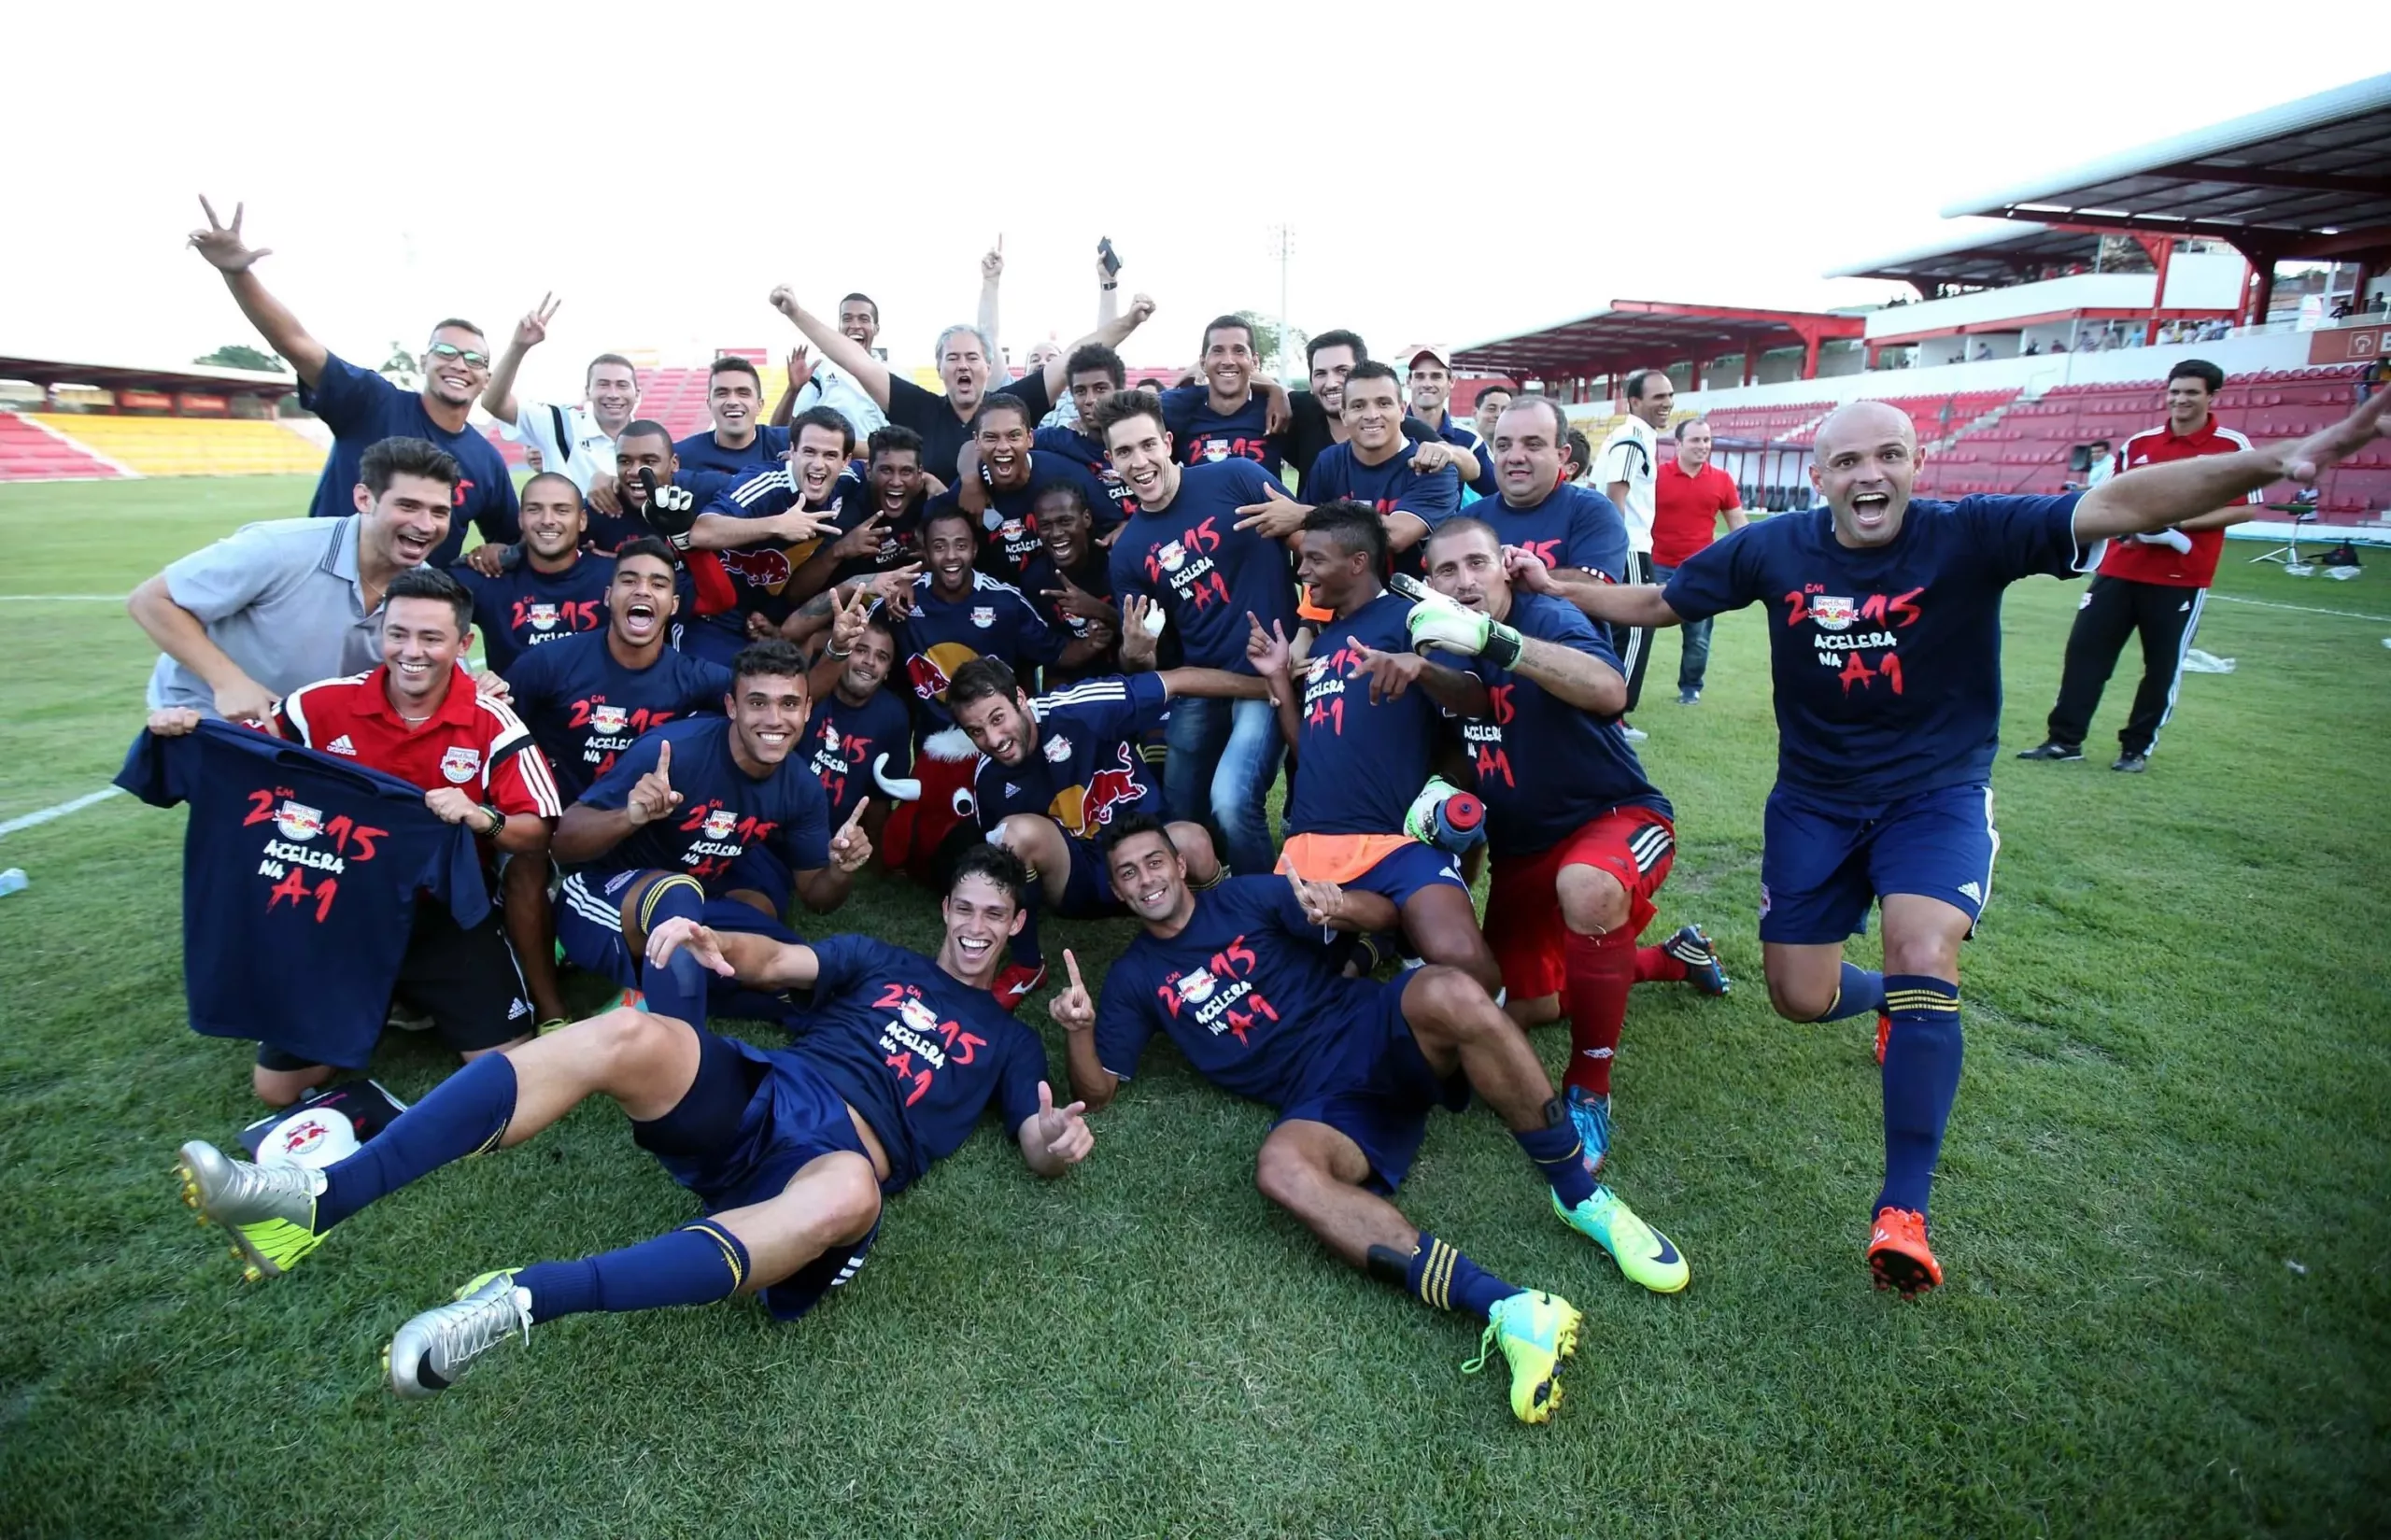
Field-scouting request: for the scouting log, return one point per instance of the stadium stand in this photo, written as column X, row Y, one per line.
column 29, row 452
column 189, row 447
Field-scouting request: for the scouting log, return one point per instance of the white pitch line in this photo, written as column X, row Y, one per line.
column 2303, row 609
column 63, row 599
column 61, row 811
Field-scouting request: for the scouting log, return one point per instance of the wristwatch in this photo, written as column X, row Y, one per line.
column 498, row 821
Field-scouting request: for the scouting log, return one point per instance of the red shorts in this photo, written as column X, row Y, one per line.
column 1523, row 922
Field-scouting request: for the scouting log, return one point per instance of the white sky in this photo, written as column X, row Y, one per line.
column 400, row 160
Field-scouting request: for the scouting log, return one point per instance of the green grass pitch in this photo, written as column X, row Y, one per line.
column 2162, row 1207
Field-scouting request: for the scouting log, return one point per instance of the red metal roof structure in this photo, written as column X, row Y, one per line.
column 2310, row 179
column 1633, row 334
column 164, row 379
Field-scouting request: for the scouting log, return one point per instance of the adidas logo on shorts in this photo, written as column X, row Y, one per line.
column 1971, row 891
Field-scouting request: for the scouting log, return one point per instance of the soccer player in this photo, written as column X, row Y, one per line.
column 1365, row 754
column 1624, row 468
column 764, row 531
column 1887, row 659
column 554, row 591
column 1430, row 375
column 577, row 442
column 859, row 735
column 965, row 362
column 586, row 698
column 1069, row 581
column 1226, row 416
column 1237, row 977
column 793, row 1150
column 1316, row 419
column 959, row 613
column 1538, row 511
column 1183, row 550
column 417, row 716
column 1493, row 400
column 1690, row 496
column 825, row 385
column 362, row 408
column 1375, row 466
column 277, row 604
column 1091, row 373
column 2153, row 584
column 712, row 832
column 738, row 440
column 1002, row 478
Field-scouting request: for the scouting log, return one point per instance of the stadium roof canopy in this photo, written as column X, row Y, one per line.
column 1652, row 334
column 2310, row 179
column 1984, row 255
column 192, row 377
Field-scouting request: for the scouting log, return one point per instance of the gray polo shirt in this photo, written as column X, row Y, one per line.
column 282, row 599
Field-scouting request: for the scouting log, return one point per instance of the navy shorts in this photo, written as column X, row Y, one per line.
column 1087, row 891
column 1401, row 874
column 1376, row 1087
column 793, row 1118
column 589, row 924
column 1821, row 866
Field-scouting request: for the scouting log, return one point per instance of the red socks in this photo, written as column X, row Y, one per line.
column 1599, row 972
column 1657, row 964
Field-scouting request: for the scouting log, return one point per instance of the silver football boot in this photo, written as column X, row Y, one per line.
column 270, row 1210
column 433, row 1350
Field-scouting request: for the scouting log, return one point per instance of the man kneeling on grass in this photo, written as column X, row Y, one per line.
column 792, row 1150
column 1238, row 978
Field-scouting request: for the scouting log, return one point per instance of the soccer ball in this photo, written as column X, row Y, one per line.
column 313, row 1139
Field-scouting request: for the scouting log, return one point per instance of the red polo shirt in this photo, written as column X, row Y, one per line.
column 1686, row 510
column 472, row 742
column 2139, row 561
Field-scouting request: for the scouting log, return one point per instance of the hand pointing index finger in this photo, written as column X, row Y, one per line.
column 1071, row 963
column 855, row 817
column 1045, row 1099
column 664, row 761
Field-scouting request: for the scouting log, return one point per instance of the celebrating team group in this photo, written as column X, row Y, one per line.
column 1047, row 646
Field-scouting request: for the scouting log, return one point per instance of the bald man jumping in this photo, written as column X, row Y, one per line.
column 1886, row 646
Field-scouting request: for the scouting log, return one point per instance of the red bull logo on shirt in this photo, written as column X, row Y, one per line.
column 930, row 671
column 543, row 618
column 288, row 859
column 1220, row 997
column 759, row 569
column 298, row 822
column 1863, row 657
column 720, row 822
column 609, row 719
column 1084, row 810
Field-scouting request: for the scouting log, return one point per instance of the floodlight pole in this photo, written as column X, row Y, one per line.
column 1283, row 247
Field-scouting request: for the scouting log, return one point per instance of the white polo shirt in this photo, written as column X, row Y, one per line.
column 1631, row 455
column 569, row 440
column 831, row 388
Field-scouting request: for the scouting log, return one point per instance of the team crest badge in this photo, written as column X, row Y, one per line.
column 829, row 739
column 543, row 618
column 609, row 719
column 1833, row 614
column 720, row 822
column 461, row 764
column 983, row 616
column 298, row 822
column 1058, row 748
column 1010, row 529
column 1216, row 450
column 918, row 1016
column 1196, row 987
column 1172, row 557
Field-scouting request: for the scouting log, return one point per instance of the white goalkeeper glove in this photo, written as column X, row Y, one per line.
column 1439, row 622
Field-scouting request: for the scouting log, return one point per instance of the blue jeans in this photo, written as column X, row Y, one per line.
column 1696, row 661
column 1224, row 755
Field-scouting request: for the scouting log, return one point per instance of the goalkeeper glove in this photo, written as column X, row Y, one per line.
column 671, row 510
column 1438, row 621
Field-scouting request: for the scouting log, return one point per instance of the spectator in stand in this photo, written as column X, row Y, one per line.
column 2152, row 582
column 283, row 603
column 362, row 408
column 575, row 441
column 1689, row 495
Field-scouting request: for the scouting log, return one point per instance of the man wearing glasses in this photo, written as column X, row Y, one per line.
column 362, row 408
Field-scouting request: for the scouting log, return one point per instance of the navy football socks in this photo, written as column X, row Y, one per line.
column 678, row 989
column 1440, row 1276
column 695, row 1265
column 464, row 1115
column 1862, row 994
column 1921, row 1078
column 1560, row 1154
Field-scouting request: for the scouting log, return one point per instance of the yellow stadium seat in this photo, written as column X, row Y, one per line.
column 190, row 446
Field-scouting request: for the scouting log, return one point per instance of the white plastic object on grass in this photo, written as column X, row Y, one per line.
column 13, row 881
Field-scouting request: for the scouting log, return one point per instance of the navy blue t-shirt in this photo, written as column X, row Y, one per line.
column 526, row 608
column 1247, row 991
column 930, row 413
column 1095, row 578
column 723, row 810
column 1362, row 764
column 362, row 408
column 1200, row 433
column 843, row 741
column 1461, row 436
column 1547, row 769
column 1073, row 445
column 1009, row 527
column 1389, row 488
column 582, row 708
column 299, row 866
column 917, row 1054
column 992, row 620
column 1205, row 571
column 1085, row 770
column 1886, row 662
column 760, row 569
column 1573, row 527
column 699, row 452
